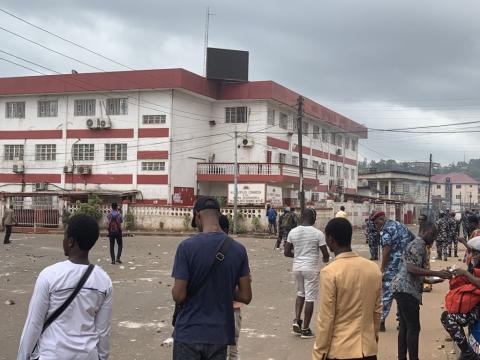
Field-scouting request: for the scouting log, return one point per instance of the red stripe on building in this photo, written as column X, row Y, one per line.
column 320, row 154
column 305, row 149
column 350, row 191
column 281, row 144
column 152, row 179
column 153, row 155
column 30, row 178
column 153, row 132
column 336, row 158
column 31, row 134
column 99, row 179
column 152, row 202
column 322, row 188
column 99, row 134
column 350, row 162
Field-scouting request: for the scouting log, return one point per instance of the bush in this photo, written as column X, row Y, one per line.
column 91, row 207
column 256, row 223
column 187, row 221
column 129, row 221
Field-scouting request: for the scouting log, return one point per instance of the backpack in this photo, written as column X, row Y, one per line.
column 462, row 296
column 288, row 220
column 114, row 226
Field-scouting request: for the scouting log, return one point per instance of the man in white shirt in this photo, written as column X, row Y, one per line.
column 304, row 244
column 82, row 331
column 341, row 213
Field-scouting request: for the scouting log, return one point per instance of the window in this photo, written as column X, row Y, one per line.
column 339, row 172
column 323, row 167
column 83, row 152
column 324, row 135
column 117, row 106
column 458, row 186
column 282, row 158
column 339, row 140
column 85, row 107
column 347, row 143
column 283, row 122
column 305, row 162
column 458, row 197
column 315, row 164
column 354, row 145
column 13, row 152
column 316, row 132
column 154, row 119
column 332, row 170
column 47, row 108
column 305, row 128
column 15, row 110
column 345, row 173
column 115, row 152
column 332, row 138
column 439, row 186
column 271, row 117
column 236, row 115
column 352, row 174
column 45, row 152
column 471, row 186
column 294, row 125
column 153, row 166
column 295, row 160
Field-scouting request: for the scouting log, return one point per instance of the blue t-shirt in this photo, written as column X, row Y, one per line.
column 208, row 318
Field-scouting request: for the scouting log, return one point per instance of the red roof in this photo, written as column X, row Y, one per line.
column 171, row 79
column 455, row 178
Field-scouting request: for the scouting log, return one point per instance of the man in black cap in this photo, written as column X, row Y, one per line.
column 211, row 271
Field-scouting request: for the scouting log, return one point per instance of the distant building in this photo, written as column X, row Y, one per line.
column 394, row 185
column 456, row 190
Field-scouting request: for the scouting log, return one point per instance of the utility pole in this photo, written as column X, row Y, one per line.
column 300, row 152
column 429, row 186
column 235, row 186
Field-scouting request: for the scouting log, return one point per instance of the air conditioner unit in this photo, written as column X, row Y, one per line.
column 105, row 124
column 18, row 168
column 340, row 182
column 41, row 186
column 91, row 123
column 84, row 169
column 247, row 142
column 339, row 152
column 68, row 169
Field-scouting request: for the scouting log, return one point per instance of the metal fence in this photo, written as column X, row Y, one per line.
column 36, row 211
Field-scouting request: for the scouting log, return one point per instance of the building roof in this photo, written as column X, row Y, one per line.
column 392, row 174
column 172, row 79
column 455, row 178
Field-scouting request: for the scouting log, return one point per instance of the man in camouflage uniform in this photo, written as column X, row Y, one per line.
column 442, row 238
column 466, row 227
column 394, row 237
column 372, row 238
column 452, row 235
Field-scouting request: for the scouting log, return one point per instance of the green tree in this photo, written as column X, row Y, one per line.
column 91, row 207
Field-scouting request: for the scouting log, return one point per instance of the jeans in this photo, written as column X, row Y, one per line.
column 183, row 351
column 272, row 227
column 409, row 313
column 8, row 232
column 119, row 239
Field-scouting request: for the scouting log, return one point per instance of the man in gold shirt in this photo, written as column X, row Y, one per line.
column 350, row 300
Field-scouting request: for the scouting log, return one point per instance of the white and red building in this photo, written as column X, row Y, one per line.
column 158, row 136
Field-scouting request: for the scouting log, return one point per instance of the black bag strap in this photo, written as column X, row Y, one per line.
column 219, row 257
column 72, row 296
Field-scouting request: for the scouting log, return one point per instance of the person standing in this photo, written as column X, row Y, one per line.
column 372, row 238
column 304, row 244
column 288, row 221
column 8, row 221
column 394, row 237
column 115, row 221
column 272, row 220
column 442, row 239
column 82, row 330
column 466, row 228
column 407, row 288
column 341, row 213
column 350, row 304
column 452, row 236
column 205, row 325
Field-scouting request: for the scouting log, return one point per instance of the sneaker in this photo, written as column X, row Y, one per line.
column 119, row 261
column 382, row 326
column 307, row 334
column 297, row 326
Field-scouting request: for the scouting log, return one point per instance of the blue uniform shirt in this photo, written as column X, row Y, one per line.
column 395, row 235
column 208, row 318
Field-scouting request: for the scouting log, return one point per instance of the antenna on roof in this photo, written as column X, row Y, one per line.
column 205, row 43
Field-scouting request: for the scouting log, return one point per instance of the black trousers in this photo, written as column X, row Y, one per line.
column 8, row 232
column 408, row 334
column 118, row 238
column 364, row 358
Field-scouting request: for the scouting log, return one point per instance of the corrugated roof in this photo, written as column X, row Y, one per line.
column 455, row 178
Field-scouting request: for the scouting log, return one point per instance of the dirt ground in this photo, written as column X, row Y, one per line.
column 143, row 306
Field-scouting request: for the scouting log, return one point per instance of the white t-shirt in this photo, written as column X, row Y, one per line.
column 341, row 214
column 306, row 241
column 82, row 331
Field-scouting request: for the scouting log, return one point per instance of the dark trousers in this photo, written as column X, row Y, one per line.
column 182, row 351
column 374, row 357
column 272, row 227
column 409, row 331
column 118, row 238
column 8, row 232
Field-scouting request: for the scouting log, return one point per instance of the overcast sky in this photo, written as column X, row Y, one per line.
column 385, row 64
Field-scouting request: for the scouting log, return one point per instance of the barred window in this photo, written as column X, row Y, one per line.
column 83, row 152
column 154, row 119
column 13, row 152
column 47, row 108
column 236, row 115
column 332, row 170
column 282, row 158
column 324, row 135
column 347, row 143
column 316, row 132
column 271, row 117
column 305, row 162
column 115, row 152
column 354, row 145
column 153, row 166
column 15, row 110
column 295, row 160
column 117, row 106
column 283, row 122
column 45, row 152
column 85, row 107
column 305, row 128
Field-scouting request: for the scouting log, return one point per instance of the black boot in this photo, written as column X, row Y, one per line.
column 455, row 253
column 382, row 326
column 449, row 252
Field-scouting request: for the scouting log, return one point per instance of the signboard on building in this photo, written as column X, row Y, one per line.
column 256, row 194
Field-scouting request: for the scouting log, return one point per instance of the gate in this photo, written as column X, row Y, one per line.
column 36, row 211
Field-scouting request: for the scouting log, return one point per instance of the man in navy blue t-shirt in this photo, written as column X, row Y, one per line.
column 205, row 326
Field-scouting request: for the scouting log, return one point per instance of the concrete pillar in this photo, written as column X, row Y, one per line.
column 389, row 189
